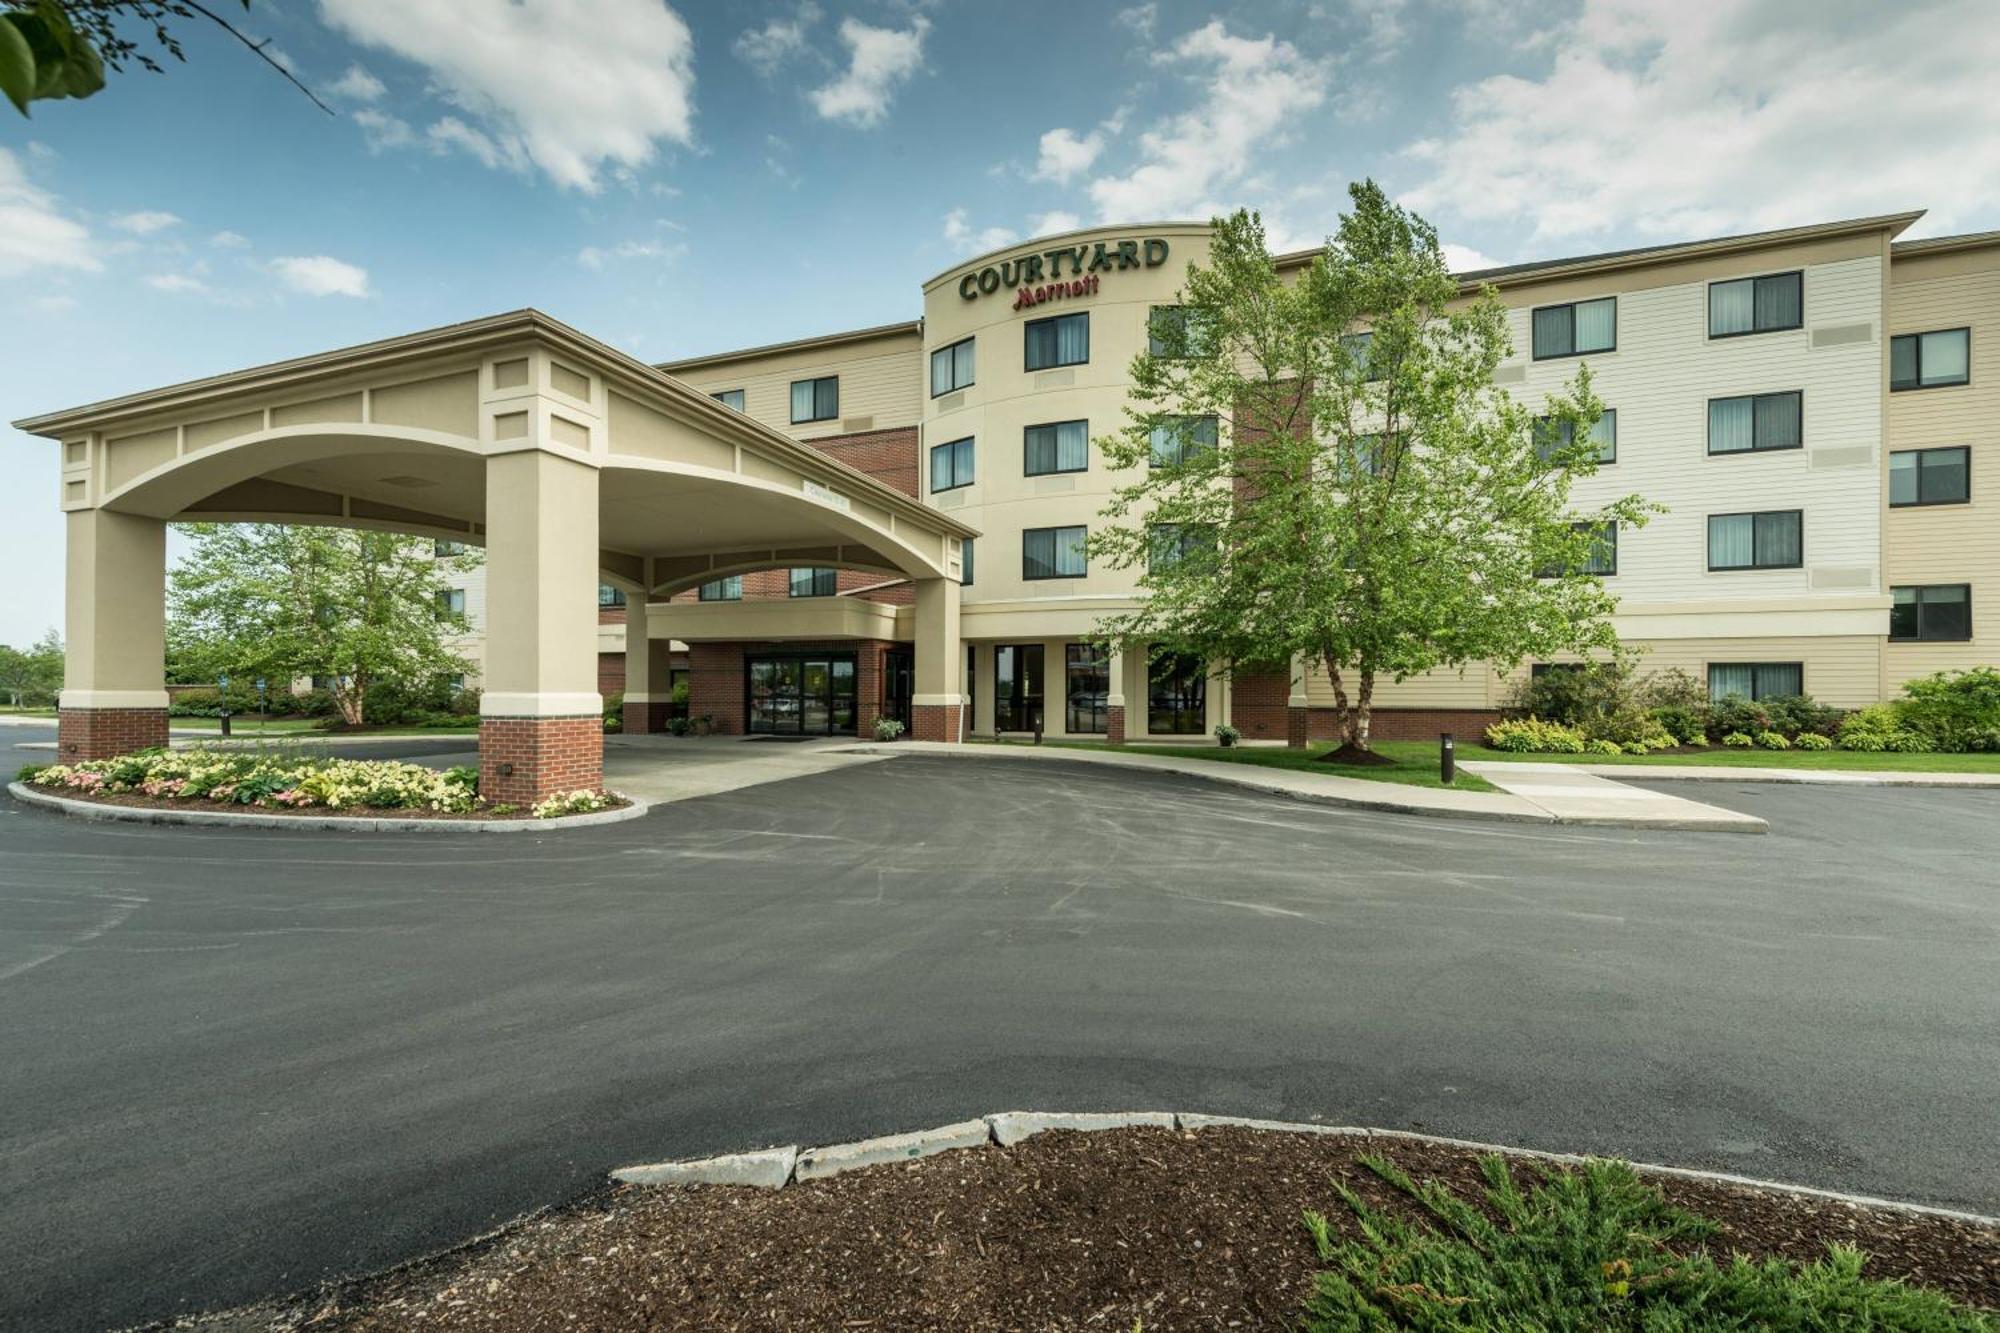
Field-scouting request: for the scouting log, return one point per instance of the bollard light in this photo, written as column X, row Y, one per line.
column 1447, row 758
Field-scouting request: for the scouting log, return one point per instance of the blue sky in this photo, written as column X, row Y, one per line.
column 688, row 177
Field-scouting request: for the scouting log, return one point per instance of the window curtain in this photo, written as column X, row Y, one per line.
column 802, row 400
column 1554, row 328
column 1605, row 435
column 1731, row 425
column 1731, row 308
column 826, row 398
column 1069, row 552
column 1731, row 681
column 1072, row 339
column 1777, row 539
column 1729, row 540
column 1780, row 302
column 941, row 468
column 1596, row 325
column 1072, row 446
column 1903, row 479
column 1779, row 680
column 1778, row 420
column 961, row 364
column 1944, row 357
column 1942, row 477
column 1903, row 360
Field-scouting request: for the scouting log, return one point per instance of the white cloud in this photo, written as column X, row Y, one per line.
column 1251, row 89
column 1141, row 19
column 1465, row 259
column 177, row 283
column 229, row 240
column 145, row 222
column 1053, row 221
column 572, row 87
column 453, row 133
column 34, row 234
column 1672, row 119
column 592, row 256
column 357, row 85
column 1065, row 154
column 765, row 49
column 383, row 130
column 965, row 239
column 58, row 304
column 321, row 275
column 879, row 59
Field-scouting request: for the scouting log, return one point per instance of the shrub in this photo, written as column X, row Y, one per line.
column 1796, row 714
column 570, row 803
column 1772, row 740
column 464, row 703
column 1738, row 740
column 1687, row 726
column 1737, row 714
column 614, row 713
column 1602, row 746
column 887, row 728
column 1878, row 728
column 1953, row 708
column 1633, row 747
column 270, row 779
column 1531, row 735
column 1812, row 740
column 1227, row 734
column 209, row 703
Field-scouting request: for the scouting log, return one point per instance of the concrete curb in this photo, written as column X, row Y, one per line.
column 821, row 1163
column 1825, row 777
column 132, row 814
column 208, row 740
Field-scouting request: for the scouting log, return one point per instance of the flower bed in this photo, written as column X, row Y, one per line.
column 276, row 783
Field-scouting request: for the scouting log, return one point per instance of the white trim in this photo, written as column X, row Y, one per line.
column 540, row 705
column 112, row 699
column 634, row 697
column 934, row 700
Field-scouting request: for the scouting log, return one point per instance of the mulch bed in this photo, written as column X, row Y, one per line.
column 1066, row 1231
column 141, row 801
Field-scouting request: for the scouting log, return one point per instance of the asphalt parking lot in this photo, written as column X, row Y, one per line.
column 237, row 1062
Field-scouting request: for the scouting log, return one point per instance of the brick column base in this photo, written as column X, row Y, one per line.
column 1114, row 724
column 647, row 715
column 524, row 759
column 100, row 733
column 1298, row 722
column 934, row 722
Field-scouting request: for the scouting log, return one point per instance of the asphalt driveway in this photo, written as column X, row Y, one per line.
column 235, row 1062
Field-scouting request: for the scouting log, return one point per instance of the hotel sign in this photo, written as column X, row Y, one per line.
column 1067, row 270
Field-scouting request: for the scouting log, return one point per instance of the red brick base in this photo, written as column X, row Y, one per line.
column 1257, row 704
column 1298, row 727
column 100, row 733
column 934, row 722
column 1413, row 724
column 524, row 759
column 1114, row 724
column 639, row 718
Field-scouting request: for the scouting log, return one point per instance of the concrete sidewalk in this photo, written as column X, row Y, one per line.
column 1529, row 798
column 1849, row 777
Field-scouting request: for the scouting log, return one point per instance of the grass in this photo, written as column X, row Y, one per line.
column 1853, row 761
column 1417, row 767
column 1597, row 1248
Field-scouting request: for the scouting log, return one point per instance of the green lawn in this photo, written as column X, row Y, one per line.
column 1854, row 761
column 1416, row 767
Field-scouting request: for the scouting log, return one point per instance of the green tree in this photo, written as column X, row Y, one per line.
column 1371, row 502
column 61, row 48
column 32, row 676
column 255, row 600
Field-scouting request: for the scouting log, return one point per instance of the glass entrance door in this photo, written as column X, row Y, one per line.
column 898, row 683
column 804, row 694
column 1176, row 696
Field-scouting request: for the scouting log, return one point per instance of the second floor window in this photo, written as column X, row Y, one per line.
column 1931, row 613
column 1062, row 341
column 1553, row 437
column 444, row 546
column 965, row 563
column 1175, row 333
column 1576, row 328
column 1178, row 439
column 1930, row 360
column 1053, row 553
column 1756, row 305
column 1601, row 558
column 817, row 582
column 608, row 596
column 450, row 602
column 816, row 400
column 951, row 465
column 1773, row 540
column 1930, row 476
column 1756, row 422
column 730, row 398
column 951, row 367
column 1057, row 446
column 722, row 590
column 1171, row 543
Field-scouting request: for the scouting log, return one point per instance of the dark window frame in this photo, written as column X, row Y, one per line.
column 1917, row 601
column 1086, row 661
column 609, row 597
column 965, row 562
column 1184, row 448
column 1754, row 279
column 1028, row 471
column 825, row 575
column 818, row 414
column 1543, row 426
column 971, row 451
column 1919, row 455
column 1708, row 534
column 1017, row 705
column 951, row 349
column 1054, row 549
column 1192, row 341
column 1917, row 339
column 1755, row 448
column 728, row 588
column 1028, row 335
column 1756, row 668
column 1186, row 693
column 798, row 659
column 1534, row 348
column 722, row 396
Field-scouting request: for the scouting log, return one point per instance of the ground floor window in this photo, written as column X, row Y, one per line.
column 1935, row 612
column 971, row 680
column 1017, row 686
column 1755, row 680
column 799, row 694
column 1086, row 687
column 1177, row 696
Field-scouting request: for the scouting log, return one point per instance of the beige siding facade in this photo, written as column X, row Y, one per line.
column 880, row 374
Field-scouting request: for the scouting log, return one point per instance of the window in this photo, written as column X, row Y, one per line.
column 450, row 602
column 1053, row 553
column 733, row 398
column 814, row 582
column 1931, row 613
column 1755, row 680
column 1086, row 688
column 1553, row 437
column 608, row 596
column 723, row 590
column 1601, row 558
column 1017, row 686
column 1930, row 476
column 1062, row 341
column 1773, row 540
column 1171, row 543
column 951, row 465
column 951, row 367
column 1178, row 439
column 444, row 546
column 1175, row 333
column 816, row 400
column 1058, row 446
column 1572, row 330
column 800, row 694
column 1176, row 696
column 1360, row 350
column 1756, row 422
column 965, row 563
column 1756, row 305
column 1930, row 360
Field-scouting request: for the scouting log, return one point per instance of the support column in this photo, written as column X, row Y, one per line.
column 936, row 704
column 114, row 697
column 1114, row 702
column 1297, row 715
column 649, row 686
column 541, row 726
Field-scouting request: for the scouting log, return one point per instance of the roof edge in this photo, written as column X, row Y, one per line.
column 1944, row 245
column 794, row 345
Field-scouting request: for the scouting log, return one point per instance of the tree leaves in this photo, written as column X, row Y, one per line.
column 42, row 56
